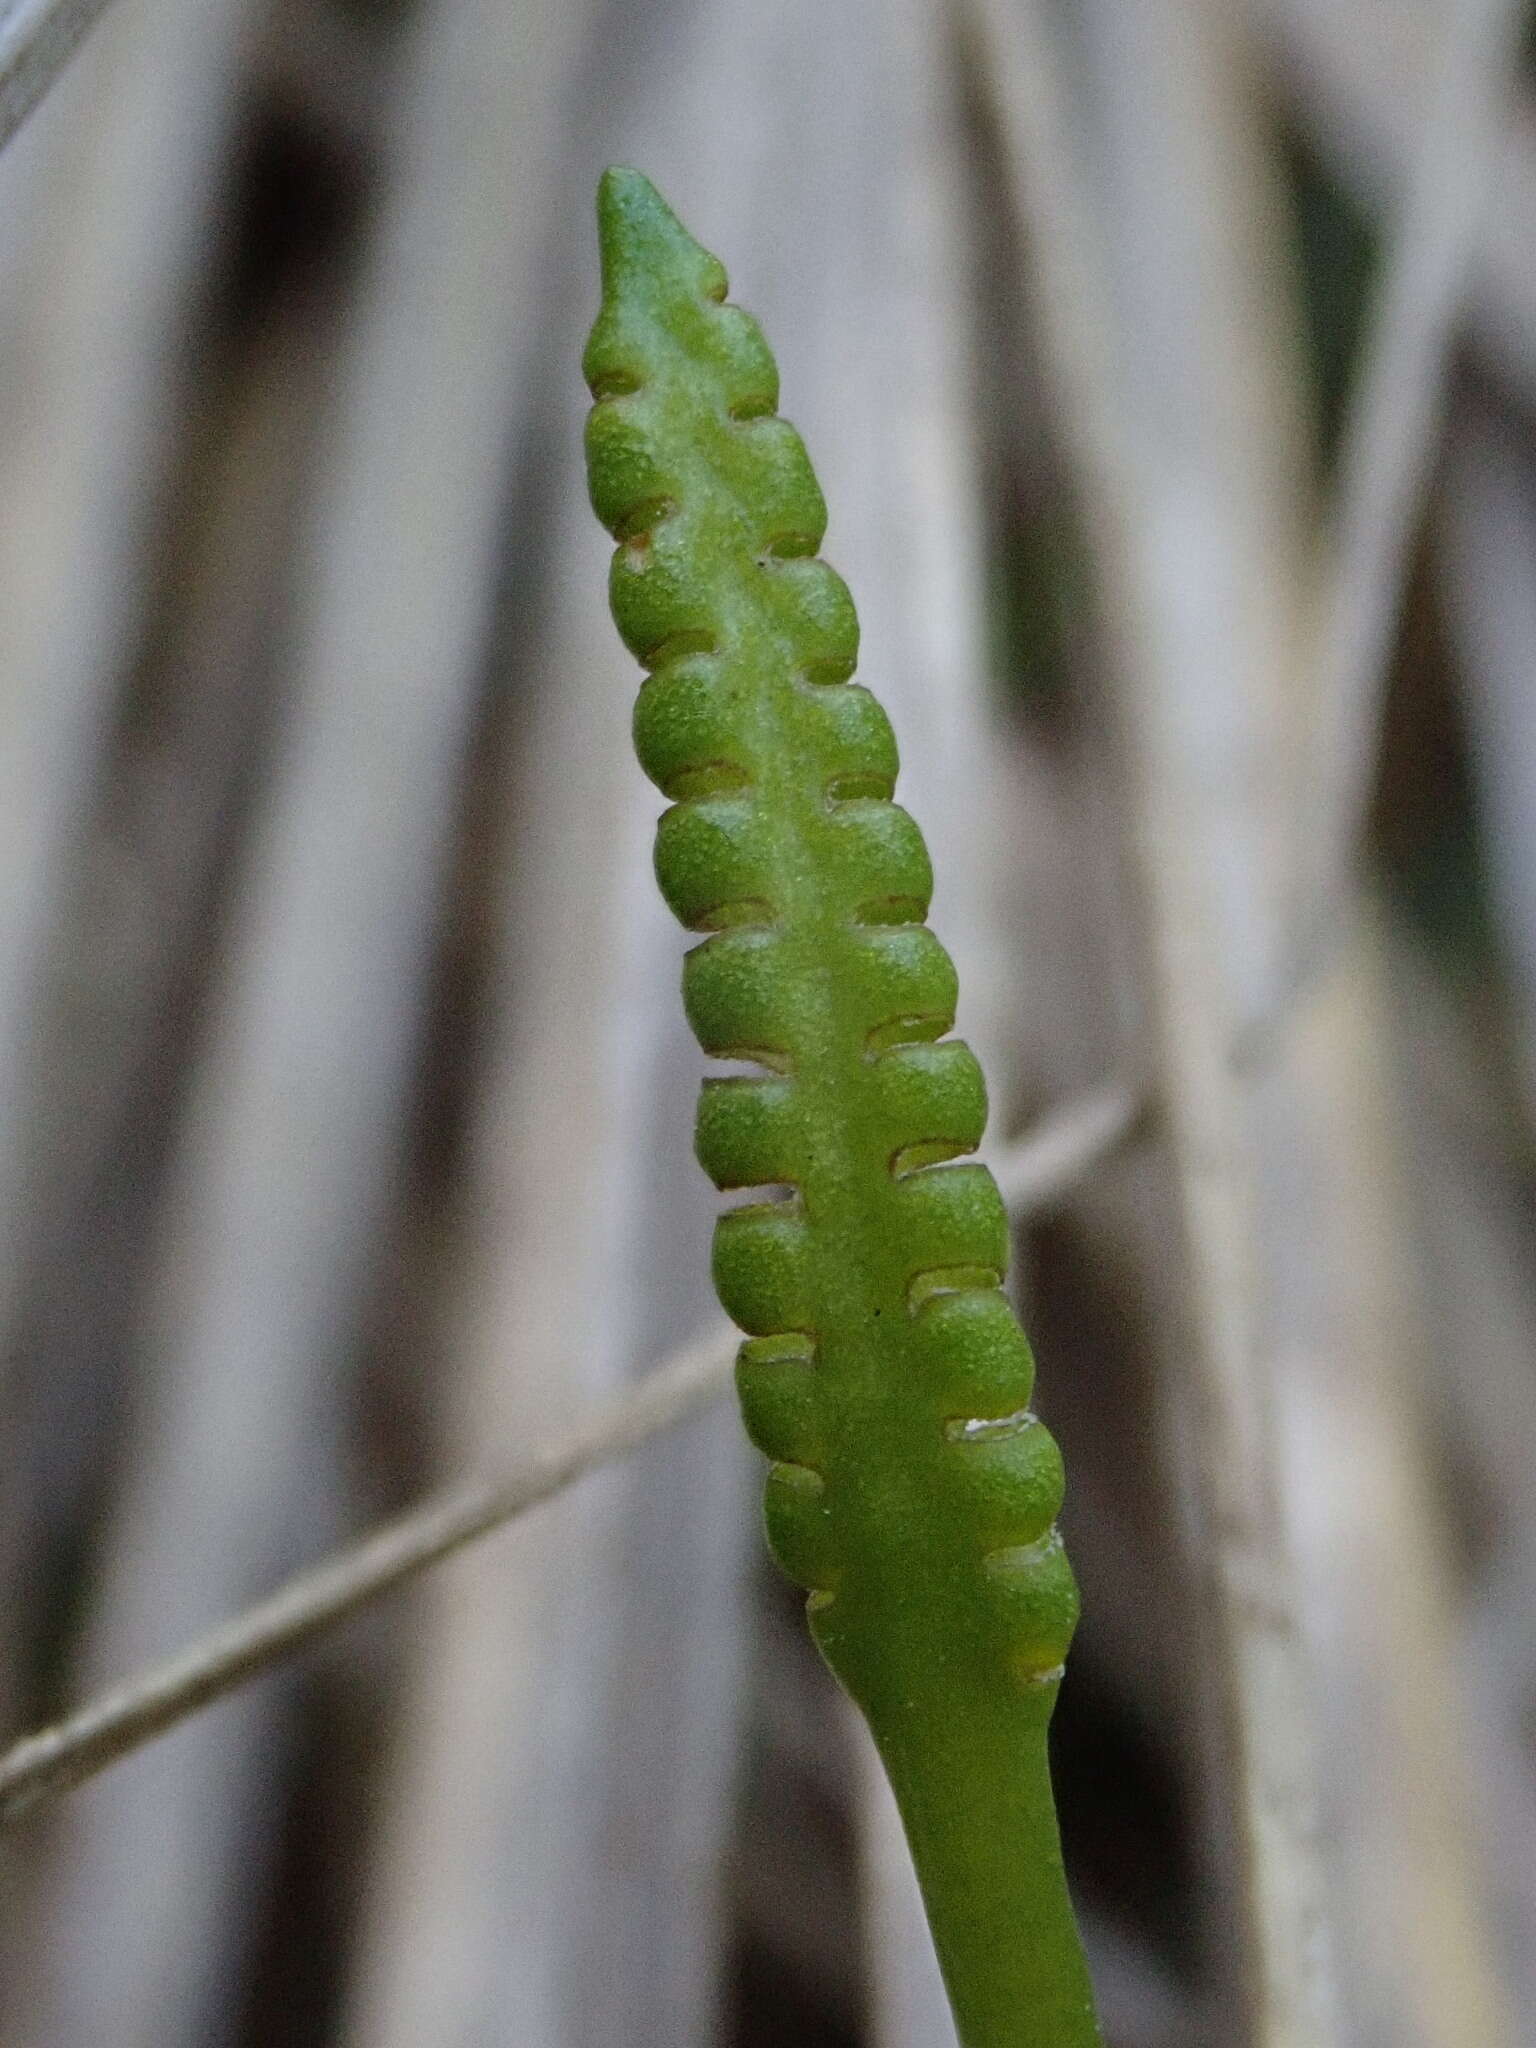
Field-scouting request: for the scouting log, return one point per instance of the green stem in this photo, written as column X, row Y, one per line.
column 974, row 1792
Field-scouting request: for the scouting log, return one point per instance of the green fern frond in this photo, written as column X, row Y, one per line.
column 911, row 1490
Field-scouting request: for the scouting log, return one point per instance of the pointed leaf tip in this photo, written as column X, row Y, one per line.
column 637, row 230
column 620, row 187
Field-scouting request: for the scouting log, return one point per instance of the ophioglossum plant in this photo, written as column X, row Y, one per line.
column 912, row 1491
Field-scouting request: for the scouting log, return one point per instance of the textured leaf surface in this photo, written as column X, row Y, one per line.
column 911, row 1491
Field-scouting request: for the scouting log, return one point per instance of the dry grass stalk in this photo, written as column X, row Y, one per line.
column 1486, row 552
column 288, row 1156
column 1392, row 432
column 103, row 255
column 1375, row 1552
column 1364, row 79
column 37, row 40
column 1476, row 1224
column 1371, row 1532
column 1384, row 1648
column 1192, row 984
column 106, row 205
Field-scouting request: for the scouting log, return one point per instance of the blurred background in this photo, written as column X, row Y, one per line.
column 1170, row 368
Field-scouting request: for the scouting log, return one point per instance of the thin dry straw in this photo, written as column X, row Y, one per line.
column 1390, row 439
column 1040, row 1168
column 37, row 40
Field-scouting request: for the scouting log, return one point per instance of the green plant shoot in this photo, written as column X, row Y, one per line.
column 911, row 1489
